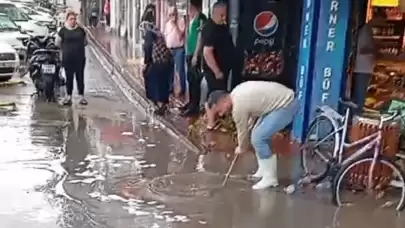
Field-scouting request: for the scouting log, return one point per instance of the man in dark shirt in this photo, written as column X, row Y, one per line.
column 218, row 50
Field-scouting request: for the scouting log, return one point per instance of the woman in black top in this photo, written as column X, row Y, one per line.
column 72, row 40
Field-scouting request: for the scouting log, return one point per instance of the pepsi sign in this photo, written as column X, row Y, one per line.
column 265, row 24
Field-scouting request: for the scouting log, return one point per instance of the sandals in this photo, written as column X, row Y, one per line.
column 160, row 111
column 83, row 101
column 67, row 102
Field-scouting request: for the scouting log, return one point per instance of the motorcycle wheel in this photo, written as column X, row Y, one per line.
column 49, row 86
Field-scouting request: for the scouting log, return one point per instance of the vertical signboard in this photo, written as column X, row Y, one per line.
column 331, row 54
column 305, row 63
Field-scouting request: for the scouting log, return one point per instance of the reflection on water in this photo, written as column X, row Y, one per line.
column 33, row 146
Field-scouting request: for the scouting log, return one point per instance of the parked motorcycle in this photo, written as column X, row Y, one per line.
column 44, row 67
column 35, row 43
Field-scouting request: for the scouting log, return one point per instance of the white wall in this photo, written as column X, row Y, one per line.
column 114, row 13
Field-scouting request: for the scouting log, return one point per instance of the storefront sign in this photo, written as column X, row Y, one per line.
column 331, row 54
column 263, row 24
column 305, row 61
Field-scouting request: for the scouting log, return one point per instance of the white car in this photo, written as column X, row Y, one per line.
column 28, row 25
column 27, row 2
column 42, row 18
column 11, row 34
column 9, row 63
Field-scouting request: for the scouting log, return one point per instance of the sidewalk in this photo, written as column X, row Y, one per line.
column 129, row 57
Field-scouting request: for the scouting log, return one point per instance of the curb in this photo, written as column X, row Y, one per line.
column 132, row 88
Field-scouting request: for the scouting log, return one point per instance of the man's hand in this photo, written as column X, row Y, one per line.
column 219, row 75
column 194, row 61
column 238, row 150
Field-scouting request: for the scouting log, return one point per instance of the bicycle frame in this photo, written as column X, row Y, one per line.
column 373, row 140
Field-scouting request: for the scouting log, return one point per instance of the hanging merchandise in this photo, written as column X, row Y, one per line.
column 263, row 26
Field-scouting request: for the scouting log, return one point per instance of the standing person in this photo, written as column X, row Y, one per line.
column 71, row 38
column 271, row 107
column 93, row 15
column 194, row 48
column 158, row 64
column 218, row 49
column 107, row 12
column 174, row 32
column 365, row 59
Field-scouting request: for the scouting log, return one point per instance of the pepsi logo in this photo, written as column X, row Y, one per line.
column 265, row 23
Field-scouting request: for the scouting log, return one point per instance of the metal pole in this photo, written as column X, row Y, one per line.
column 233, row 20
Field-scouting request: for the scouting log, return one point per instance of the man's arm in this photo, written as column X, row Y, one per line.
column 58, row 39
column 208, row 41
column 241, row 118
column 181, row 27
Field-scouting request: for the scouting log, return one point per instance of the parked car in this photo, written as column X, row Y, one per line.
column 41, row 17
column 28, row 25
column 26, row 2
column 41, row 9
column 11, row 34
column 9, row 63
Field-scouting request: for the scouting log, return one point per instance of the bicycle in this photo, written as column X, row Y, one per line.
column 336, row 166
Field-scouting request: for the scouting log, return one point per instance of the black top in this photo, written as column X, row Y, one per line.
column 73, row 44
column 218, row 37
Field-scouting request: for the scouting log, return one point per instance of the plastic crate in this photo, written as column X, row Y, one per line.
column 362, row 127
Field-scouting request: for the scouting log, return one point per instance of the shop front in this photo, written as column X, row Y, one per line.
column 328, row 37
column 388, row 80
column 336, row 44
column 336, row 49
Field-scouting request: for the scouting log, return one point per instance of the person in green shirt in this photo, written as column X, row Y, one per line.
column 194, row 58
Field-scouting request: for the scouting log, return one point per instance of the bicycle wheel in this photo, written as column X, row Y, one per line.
column 387, row 188
column 319, row 144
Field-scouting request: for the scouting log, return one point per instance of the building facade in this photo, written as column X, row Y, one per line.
column 317, row 58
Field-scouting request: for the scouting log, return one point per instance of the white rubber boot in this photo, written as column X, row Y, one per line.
column 259, row 173
column 269, row 172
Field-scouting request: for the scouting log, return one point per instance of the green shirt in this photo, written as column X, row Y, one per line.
column 193, row 31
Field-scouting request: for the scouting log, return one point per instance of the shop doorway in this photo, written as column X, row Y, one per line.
column 268, row 41
column 386, row 77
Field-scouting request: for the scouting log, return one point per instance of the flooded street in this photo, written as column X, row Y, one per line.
column 112, row 165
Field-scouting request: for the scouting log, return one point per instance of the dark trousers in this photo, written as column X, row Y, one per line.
column 214, row 83
column 361, row 81
column 194, row 78
column 107, row 19
column 93, row 21
column 75, row 69
column 157, row 83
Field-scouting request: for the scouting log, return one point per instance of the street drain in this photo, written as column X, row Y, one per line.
column 191, row 185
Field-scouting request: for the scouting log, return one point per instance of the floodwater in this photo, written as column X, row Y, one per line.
column 112, row 165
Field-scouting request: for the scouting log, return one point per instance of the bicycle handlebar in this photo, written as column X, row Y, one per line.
column 395, row 113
